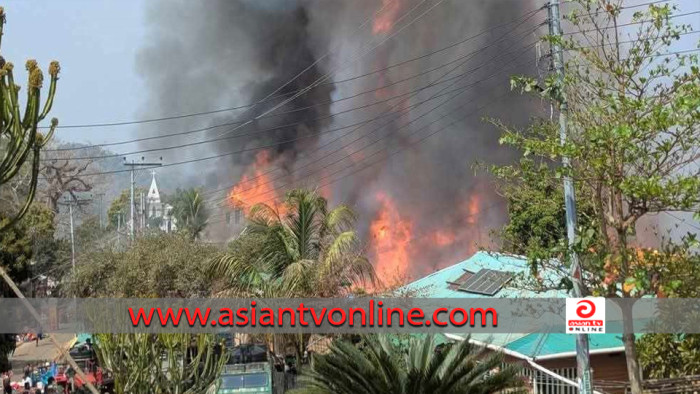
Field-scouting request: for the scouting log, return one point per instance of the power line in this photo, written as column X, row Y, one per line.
column 690, row 224
column 243, row 106
column 629, row 24
column 269, row 96
column 373, row 142
column 407, row 146
column 257, row 131
column 275, row 188
column 258, row 147
column 288, row 184
column 621, row 8
column 325, row 76
column 269, row 171
column 380, row 127
column 255, row 148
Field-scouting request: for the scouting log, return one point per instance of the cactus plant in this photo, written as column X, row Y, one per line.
column 161, row 363
column 19, row 134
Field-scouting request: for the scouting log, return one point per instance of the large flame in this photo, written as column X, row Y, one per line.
column 473, row 208
column 443, row 238
column 391, row 239
column 384, row 22
column 255, row 186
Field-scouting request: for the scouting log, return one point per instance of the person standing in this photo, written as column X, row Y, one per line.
column 6, row 383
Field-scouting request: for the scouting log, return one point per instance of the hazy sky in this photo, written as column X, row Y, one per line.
column 96, row 43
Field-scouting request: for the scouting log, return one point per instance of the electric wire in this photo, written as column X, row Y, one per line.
column 380, row 127
column 209, row 157
column 318, row 160
column 335, row 82
column 271, row 181
column 257, row 131
column 122, row 123
column 382, row 159
column 325, row 76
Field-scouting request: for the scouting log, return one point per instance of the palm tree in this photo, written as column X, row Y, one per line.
column 190, row 212
column 301, row 249
column 382, row 366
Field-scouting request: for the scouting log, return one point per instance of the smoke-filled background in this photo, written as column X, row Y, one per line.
column 419, row 210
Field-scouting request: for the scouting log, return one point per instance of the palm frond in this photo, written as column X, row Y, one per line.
column 340, row 218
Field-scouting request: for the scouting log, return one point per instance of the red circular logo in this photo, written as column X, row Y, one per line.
column 587, row 310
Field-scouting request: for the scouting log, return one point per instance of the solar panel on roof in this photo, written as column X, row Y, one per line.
column 486, row 281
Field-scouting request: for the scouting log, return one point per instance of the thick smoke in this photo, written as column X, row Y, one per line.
column 221, row 53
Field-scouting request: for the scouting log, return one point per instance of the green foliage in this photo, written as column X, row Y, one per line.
column 381, row 365
column 19, row 135
column 120, row 207
column 157, row 265
column 190, row 212
column 674, row 355
column 161, row 364
column 300, row 249
column 669, row 355
column 633, row 127
column 20, row 245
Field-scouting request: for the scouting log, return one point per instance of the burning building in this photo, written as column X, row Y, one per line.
column 419, row 209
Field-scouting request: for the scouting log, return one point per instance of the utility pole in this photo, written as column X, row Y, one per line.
column 143, row 212
column 133, row 166
column 70, row 203
column 100, row 195
column 583, row 363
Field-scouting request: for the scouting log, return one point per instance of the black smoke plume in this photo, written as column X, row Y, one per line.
column 221, row 53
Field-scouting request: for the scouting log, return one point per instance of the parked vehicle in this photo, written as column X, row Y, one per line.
column 249, row 370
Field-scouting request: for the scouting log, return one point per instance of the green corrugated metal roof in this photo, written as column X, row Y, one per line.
column 533, row 345
column 435, row 284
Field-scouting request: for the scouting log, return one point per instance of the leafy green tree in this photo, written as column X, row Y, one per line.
column 190, row 212
column 156, row 265
column 120, row 208
column 674, row 355
column 161, row 364
column 382, row 366
column 633, row 117
column 19, row 245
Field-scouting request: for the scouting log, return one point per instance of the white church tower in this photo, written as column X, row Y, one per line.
column 155, row 208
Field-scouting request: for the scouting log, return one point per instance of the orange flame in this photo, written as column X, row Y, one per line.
column 473, row 208
column 384, row 22
column 391, row 239
column 255, row 189
column 443, row 238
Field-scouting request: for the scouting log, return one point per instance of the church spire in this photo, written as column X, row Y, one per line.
column 153, row 194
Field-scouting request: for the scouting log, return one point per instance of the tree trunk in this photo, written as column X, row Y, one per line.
column 633, row 370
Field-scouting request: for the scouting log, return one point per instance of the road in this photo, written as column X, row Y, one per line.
column 30, row 353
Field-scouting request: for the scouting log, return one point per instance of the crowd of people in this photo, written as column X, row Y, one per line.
column 36, row 379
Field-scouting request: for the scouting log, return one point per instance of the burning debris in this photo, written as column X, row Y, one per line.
column 255, row 186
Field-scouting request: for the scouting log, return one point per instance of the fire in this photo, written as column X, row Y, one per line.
column 254, row 189
column 443, row 238
column 384, row 22
column 473, row 207
column 391, row 239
